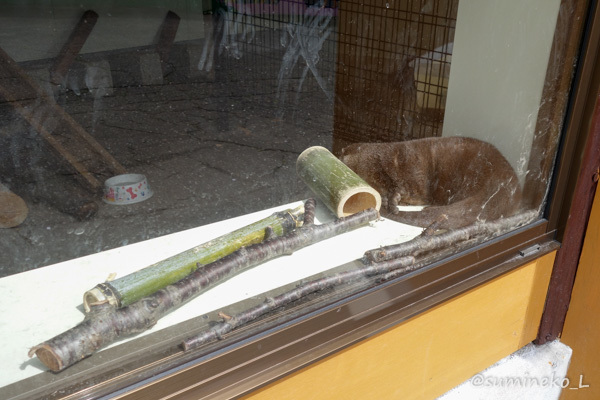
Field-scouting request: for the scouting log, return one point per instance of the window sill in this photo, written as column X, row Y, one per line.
column 257, row 353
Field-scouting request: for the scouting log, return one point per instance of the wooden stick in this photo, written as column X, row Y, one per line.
column 166, row 37
column 271, row 303
column 309, row 212
column 72, row 47
column 105, row 324
column 34, row 91
column 55, row 144
column 427, row 243
column 385, row 268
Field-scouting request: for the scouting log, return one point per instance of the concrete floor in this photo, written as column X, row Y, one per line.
column 213, row 146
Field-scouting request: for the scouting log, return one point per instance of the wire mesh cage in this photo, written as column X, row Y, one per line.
column 392, row 69
column 384, row 66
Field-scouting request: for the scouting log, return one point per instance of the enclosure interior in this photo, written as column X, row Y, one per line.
column 213, row 102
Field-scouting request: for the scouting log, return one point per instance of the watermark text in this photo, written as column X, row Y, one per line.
column 526, row 381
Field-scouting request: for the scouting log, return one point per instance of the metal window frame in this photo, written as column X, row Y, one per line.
column 256, row 356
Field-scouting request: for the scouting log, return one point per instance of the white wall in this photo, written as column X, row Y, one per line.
column 501, row 51
column 39, row 29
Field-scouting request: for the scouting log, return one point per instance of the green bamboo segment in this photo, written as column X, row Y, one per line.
column 336, row 185
column 130, row 288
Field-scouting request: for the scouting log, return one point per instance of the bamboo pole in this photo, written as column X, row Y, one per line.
column 130, row 288
column 336, row 185
column 106, row 324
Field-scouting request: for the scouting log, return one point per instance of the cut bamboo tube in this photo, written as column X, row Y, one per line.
column 336, row 185
column 137, row 285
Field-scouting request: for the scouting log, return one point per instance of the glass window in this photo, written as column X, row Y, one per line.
column 133, row 131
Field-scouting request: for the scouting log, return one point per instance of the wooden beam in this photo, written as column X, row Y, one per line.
column 65, row 135
column 582, row 323
column 166, row 37
column 559, row 77
column 72, row 47
column 567, row 259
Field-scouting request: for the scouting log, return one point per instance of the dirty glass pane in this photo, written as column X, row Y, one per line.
column 133, row 131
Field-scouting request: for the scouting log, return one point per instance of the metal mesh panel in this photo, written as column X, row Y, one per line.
column 390, row 61
column 393, row 67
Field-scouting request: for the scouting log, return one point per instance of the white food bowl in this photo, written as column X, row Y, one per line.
column 126, row 189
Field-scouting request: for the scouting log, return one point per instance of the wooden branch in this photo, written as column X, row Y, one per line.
column 272, row 303
column 309, row 212
column 375, row 263
column 130, row 288
column 166, row 37
column 336, row 185
column 24, row 87
column 426, row 243
column 105, row 324
column 72, row 47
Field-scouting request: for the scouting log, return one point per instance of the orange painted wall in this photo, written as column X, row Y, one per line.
column 426, row 356
column 582, row 325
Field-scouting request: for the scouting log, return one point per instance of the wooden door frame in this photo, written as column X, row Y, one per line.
column 585, row 121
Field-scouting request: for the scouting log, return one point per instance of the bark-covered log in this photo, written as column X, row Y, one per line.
column 336, row 185
column 130, row 288
column 105, row 324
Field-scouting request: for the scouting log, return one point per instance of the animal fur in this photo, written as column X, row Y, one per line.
column 466, row 179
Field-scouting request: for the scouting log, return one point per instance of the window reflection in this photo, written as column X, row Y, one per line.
column 205, row 108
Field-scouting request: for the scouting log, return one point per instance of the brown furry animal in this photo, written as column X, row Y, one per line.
column 466, row 179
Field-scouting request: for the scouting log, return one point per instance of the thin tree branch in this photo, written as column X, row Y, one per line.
column 426, row 243
column 309, row 212
column 385, row 263
column 105, row 324
column 272, row 303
